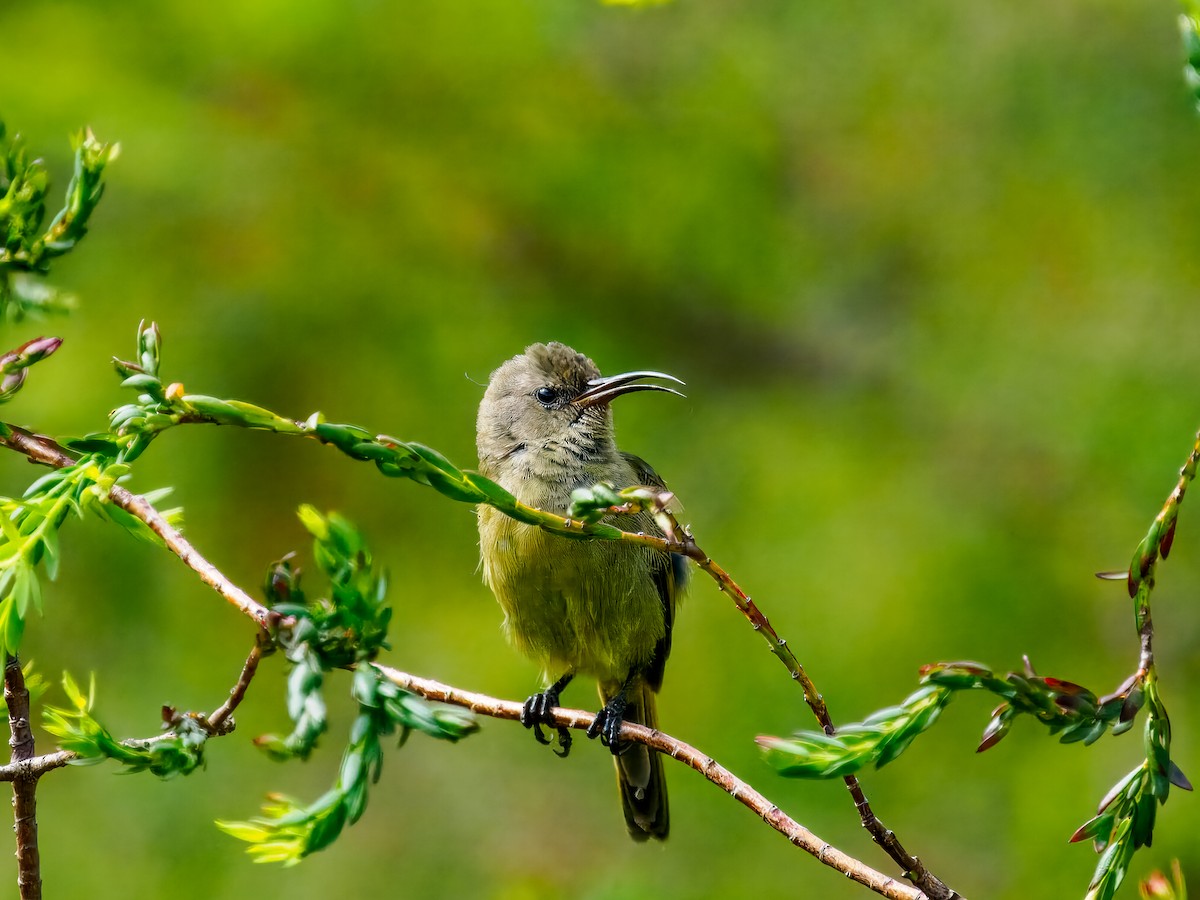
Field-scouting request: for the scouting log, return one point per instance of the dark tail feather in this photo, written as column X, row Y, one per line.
column 640, row 776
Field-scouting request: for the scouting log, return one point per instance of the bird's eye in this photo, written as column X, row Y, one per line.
column 545, row 396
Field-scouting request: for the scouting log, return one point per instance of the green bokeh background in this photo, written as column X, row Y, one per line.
column 930, row 271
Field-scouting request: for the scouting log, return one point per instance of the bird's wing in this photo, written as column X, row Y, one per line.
column 670, row 574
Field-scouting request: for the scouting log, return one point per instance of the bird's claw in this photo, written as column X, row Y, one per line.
column 607, row 724
column 538, row 711
column 564, row 743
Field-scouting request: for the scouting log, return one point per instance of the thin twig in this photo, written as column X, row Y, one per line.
column 852, row 868
column 29, row 863
column 38, row 766
column 216, row 720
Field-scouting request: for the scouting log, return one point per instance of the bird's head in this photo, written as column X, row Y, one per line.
column 552, row 397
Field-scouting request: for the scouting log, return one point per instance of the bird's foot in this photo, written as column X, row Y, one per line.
column 539, row 710
column 607, row 724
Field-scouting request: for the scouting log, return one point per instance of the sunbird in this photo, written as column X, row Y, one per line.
column 599, row 608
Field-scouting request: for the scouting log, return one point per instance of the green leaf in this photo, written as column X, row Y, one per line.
column 28, row 589
column 53, row 554
column 1097, row 828
column 8, row 521
column 99, row 445
column 313, row 522
column 255, row 832
column 7, row 575
column 75, row 695
column 12, row 626
column 143, row 382
column 129, row 522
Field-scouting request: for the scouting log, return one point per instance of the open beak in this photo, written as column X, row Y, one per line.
column 601, row 390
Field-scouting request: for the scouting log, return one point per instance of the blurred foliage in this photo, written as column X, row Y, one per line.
column 1189, row 27
column 26, row 249
column 1159, row 887
column 929, row 272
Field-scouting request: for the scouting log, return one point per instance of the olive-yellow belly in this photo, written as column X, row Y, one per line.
column 585, row 606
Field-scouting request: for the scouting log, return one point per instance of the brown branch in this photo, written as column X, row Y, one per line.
column 771, row 814
column 29, row 863
column 216, row 720
column 36, row 766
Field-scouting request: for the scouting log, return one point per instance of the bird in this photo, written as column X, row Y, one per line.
column 597, row 608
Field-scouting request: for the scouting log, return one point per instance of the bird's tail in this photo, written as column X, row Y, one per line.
column 640, row 777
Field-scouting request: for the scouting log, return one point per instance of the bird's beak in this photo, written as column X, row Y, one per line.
column 601, row 390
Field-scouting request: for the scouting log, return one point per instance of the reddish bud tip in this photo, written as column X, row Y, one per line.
column 996, row 729
column 39, row 348
column 1169, row 538
column 1065, row 687
column 1080, row 834
column 990, row 741
column 1176, row 777
column 11, row 383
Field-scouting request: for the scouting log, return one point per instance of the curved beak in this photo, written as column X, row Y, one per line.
column 602, row 390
